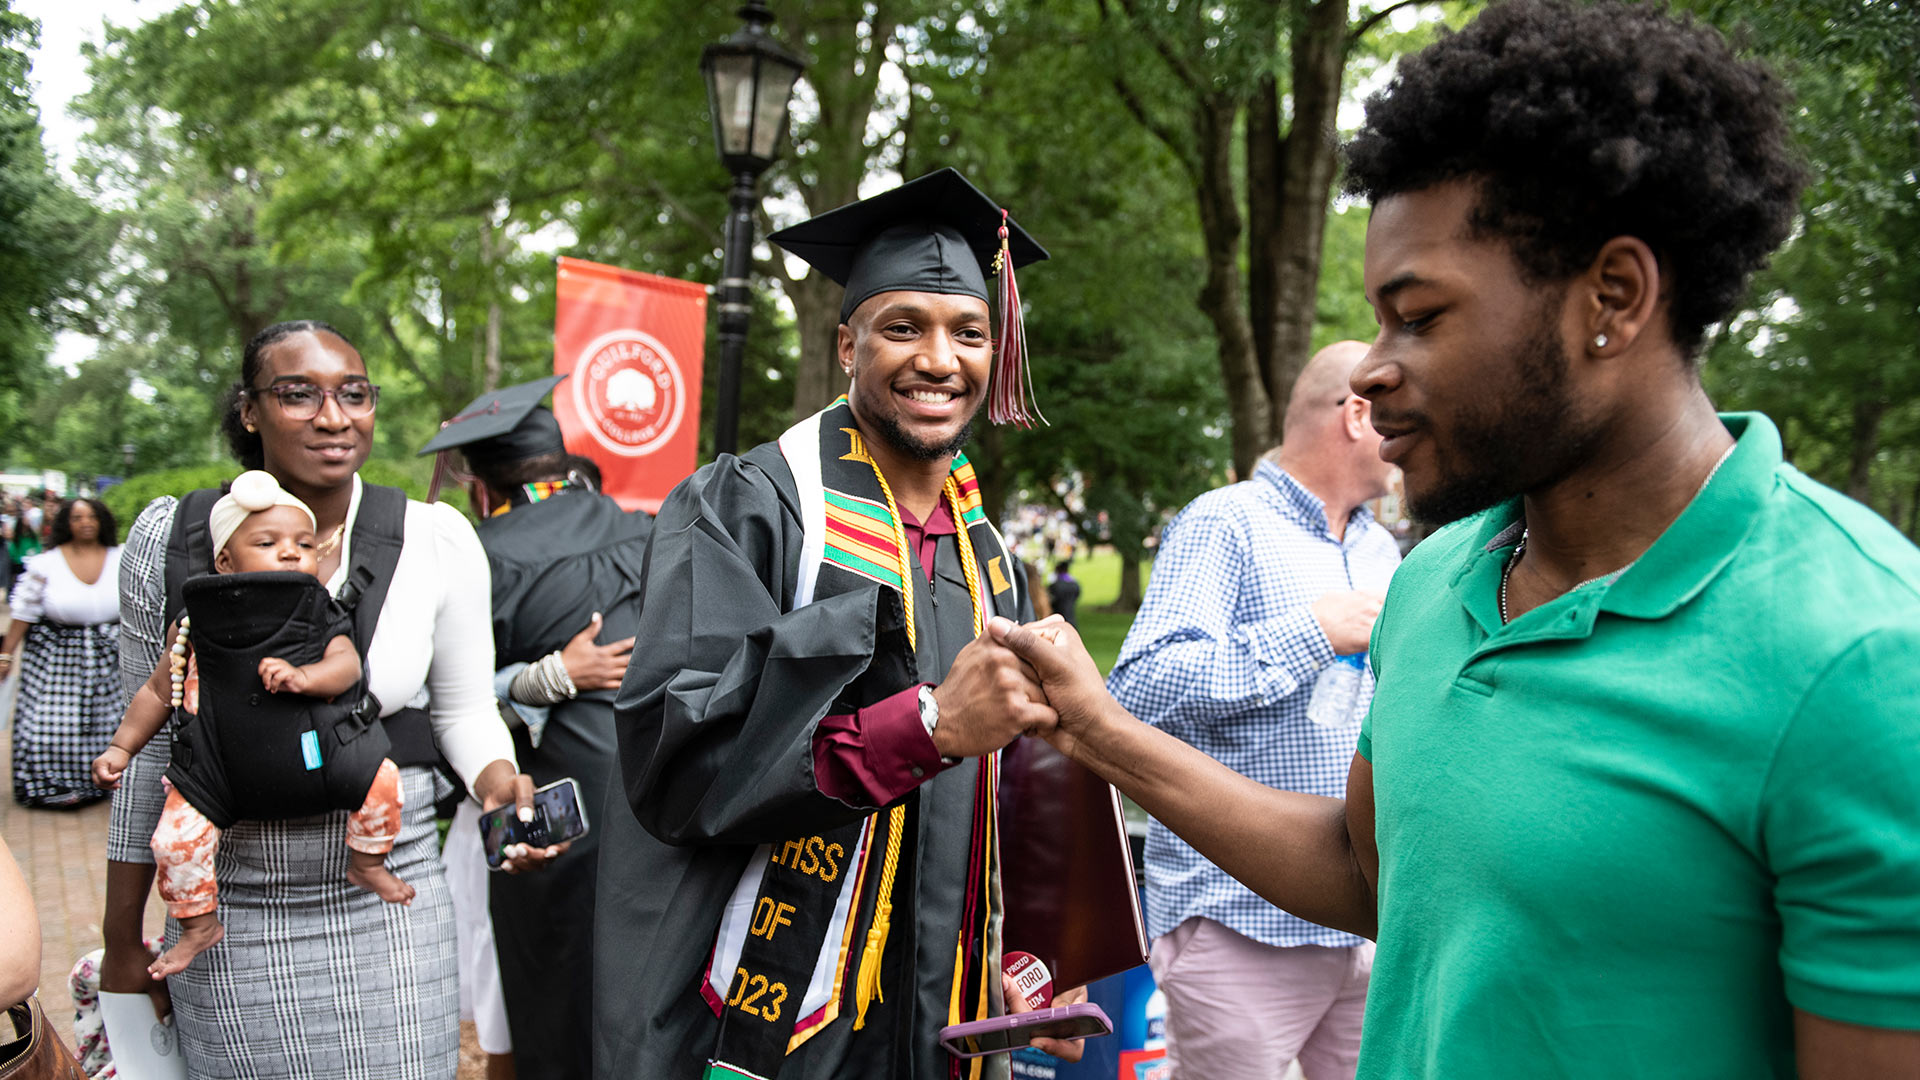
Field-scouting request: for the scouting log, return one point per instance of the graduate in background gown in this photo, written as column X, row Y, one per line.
column 809, row 730
column 561, row 553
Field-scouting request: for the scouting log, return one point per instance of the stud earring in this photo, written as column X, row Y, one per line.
column 1599, row 341
column 251, row 429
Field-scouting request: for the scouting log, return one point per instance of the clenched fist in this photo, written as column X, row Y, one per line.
column 1347, row 619
column 989, row 699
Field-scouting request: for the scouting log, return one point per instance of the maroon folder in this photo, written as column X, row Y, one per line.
column 1066, row 868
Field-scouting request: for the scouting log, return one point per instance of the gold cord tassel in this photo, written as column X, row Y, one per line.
column 866, row 988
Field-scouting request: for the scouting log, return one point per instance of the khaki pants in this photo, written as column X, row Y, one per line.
column 1241, row 1010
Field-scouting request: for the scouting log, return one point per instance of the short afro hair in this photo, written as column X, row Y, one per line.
column 1583, row 122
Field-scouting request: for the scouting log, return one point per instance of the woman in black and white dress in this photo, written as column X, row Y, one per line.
column 64, row 644
column 316, row 978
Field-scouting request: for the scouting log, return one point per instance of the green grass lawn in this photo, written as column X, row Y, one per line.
column 1103, row 632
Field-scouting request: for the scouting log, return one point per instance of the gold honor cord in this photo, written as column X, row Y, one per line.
column 867, row 982
column 866, row 986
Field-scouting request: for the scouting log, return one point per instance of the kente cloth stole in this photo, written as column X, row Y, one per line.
column 785, row 960
column 538, row 491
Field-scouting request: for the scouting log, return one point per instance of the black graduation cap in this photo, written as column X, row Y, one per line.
column 936, row 234
column 503, row 425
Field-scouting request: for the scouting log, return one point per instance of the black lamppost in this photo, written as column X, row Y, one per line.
column 750, row 78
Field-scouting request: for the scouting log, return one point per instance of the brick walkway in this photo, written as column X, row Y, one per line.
column 63, row 854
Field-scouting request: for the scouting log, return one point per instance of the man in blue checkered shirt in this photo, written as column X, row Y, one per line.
column 1257, row 588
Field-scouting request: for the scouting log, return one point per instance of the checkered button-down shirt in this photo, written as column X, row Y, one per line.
column 1224, row 655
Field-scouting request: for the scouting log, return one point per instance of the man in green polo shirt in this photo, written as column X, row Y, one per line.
column 1639, row 793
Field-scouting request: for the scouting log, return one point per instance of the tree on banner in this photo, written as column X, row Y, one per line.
column 633, row 344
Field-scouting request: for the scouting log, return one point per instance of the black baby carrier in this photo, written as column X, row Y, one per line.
column 254, row 755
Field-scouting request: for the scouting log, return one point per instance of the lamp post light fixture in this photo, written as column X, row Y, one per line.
column 127, row 451
column 750, row 79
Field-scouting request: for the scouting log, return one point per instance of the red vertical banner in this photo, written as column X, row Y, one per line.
column 632, row 343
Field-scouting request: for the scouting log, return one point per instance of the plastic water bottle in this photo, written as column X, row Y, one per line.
column 1336, row 690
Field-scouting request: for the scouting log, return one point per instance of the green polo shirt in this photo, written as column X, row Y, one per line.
column 1628, row 833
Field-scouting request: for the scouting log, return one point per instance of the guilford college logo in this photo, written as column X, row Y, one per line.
column 629, row 390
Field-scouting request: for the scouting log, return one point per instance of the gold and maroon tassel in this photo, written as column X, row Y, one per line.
column 1010, row 393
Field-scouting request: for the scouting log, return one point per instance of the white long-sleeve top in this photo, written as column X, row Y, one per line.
column 49, row 589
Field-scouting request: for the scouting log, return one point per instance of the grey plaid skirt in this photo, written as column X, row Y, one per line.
column 68, row 708
column 315, row 977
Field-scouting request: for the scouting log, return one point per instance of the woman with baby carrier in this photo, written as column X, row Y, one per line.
column 314, row 974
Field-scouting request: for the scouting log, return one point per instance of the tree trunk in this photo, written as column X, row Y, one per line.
column 1864, row 445
column 1307, row 162
column 1221, row 297
column 490, row 359
column 1130, row 590
column 490, row 377
column 849, row 44
column 1265, row 184
column 817, row 379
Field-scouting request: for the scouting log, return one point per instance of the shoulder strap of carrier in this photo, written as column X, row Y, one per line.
column 378, row 532
column 190, row 543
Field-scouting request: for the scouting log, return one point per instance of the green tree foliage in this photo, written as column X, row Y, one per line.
column 1122, row 361
column 1245, row 95
column 1831, row 347
column 406, row 169
column 51, row 241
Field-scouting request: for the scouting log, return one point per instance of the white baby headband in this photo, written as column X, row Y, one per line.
column 252, row 492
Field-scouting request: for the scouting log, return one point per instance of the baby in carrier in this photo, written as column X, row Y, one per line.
column 256, row 528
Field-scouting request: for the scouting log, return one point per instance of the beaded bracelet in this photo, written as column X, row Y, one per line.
column 177, row 660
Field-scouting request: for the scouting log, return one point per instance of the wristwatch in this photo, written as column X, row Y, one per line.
column 930, row 718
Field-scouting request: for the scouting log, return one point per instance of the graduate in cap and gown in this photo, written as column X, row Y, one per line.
column 801, row 877
column 566, row 563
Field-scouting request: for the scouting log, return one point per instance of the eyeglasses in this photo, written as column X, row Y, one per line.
column 303, row 401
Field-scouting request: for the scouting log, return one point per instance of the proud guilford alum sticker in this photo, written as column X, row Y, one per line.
column 1030, row 976
column 629, row 390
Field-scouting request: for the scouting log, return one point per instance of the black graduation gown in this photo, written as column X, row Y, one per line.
column 716, row 722
column 555, row 563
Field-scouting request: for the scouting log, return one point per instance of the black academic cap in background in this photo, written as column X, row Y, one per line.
column 504, row 425
column 936, row 234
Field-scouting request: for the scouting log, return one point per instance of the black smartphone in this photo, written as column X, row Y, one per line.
column 557, row 817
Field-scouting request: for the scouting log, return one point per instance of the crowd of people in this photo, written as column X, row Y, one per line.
column 1611, row 776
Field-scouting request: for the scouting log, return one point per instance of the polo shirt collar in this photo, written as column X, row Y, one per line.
column 1303, row 505
column 1709, row 532
column 1680, row 564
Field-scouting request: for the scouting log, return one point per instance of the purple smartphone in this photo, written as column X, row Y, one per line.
column 999, row 1034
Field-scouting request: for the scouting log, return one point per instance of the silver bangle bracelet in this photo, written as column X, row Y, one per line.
column 543, row 682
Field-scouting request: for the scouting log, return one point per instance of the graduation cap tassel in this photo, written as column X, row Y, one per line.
column 1010, row 393
column 442, row 474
